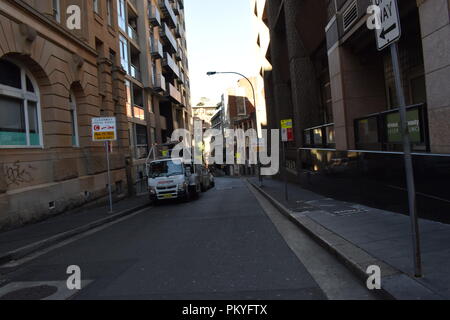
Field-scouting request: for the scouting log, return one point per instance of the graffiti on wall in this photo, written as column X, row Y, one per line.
column 17, row 174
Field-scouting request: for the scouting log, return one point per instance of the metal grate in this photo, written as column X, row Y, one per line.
column 350, row 15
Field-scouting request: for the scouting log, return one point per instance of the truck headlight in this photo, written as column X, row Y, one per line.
column 152, row 190
column 182, row 187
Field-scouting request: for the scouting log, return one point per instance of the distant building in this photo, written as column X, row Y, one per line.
column 203, row 111
column 240, row 113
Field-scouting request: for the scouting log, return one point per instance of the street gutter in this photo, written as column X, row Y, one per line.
column 395, row 284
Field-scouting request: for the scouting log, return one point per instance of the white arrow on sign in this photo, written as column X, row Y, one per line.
column 390, row 30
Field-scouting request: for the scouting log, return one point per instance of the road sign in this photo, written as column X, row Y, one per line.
column 287, row 130
column 389, row 18
column 104, row 129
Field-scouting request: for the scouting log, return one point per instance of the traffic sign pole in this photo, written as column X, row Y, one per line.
column 287, row 134
column 109, row 177
column 105, row 130
column 408, row 161
column 388, row 35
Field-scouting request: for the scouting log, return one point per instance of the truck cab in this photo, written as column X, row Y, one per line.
column 172, row 179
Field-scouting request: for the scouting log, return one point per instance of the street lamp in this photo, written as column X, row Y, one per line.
column 212, row 73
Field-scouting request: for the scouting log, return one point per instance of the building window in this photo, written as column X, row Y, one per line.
column 121, row 14
column 124, row 57
column 109, row 12
column 241, row 102
column 129, row 101
column 56, row 7
column 141, row 140
column 20, row 123
column 96, row 7
column 74, row 120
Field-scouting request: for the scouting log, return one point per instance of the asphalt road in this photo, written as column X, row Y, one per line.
column 226, row 245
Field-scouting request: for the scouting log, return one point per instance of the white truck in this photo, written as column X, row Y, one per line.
column 171, row 178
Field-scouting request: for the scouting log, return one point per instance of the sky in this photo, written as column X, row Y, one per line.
column 220, row 37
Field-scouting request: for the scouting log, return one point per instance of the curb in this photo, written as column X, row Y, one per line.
column 42, row 244
column 396, row 285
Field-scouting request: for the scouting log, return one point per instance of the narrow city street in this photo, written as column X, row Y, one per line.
column 229, row 244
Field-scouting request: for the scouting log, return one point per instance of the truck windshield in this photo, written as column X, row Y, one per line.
column 166, row 169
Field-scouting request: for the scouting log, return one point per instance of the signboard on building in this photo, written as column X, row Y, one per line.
column 394, row 134
column 287, row 130
column 389, row 18
column 104, row 129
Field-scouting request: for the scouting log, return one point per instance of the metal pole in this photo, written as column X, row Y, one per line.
column 285, row 172
column 109, row 177
column 408, row 162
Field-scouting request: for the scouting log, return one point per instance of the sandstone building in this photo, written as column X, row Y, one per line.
column 127, row 59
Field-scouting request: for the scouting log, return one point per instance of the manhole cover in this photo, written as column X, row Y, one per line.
column 31, row 293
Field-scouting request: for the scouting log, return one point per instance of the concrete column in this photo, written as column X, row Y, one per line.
column 435, row 29
column 305, row 91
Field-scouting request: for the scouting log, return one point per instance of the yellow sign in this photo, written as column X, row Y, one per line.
column 286, row 124
column 98, row 136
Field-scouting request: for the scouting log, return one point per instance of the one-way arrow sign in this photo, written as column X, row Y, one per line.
column 390, row 30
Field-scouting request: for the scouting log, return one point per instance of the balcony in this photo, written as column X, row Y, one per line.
column 179, row 31
column 173, row 93
column 132, row 33
column 381, row 131
column 179, row 55
column 177, row 7
column 182, row 79
column 167, row 36
column 154, row 15
column 320, row 137
column 159, row 82
column 170, row 16
column 170, row 65
column 156, row 48
column 134, row 3
column 135, row 73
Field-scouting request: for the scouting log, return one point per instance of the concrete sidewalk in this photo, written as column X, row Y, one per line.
column 19, row 242
column 362, row 236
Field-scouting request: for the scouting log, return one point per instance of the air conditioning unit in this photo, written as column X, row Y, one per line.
column 350, row 15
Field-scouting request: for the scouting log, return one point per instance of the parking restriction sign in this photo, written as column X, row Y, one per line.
column 104, row 129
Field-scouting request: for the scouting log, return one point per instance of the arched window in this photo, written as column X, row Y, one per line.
column 20, row 121
column 73, row 119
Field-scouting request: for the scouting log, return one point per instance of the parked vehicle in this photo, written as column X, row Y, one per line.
column 171, row 178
